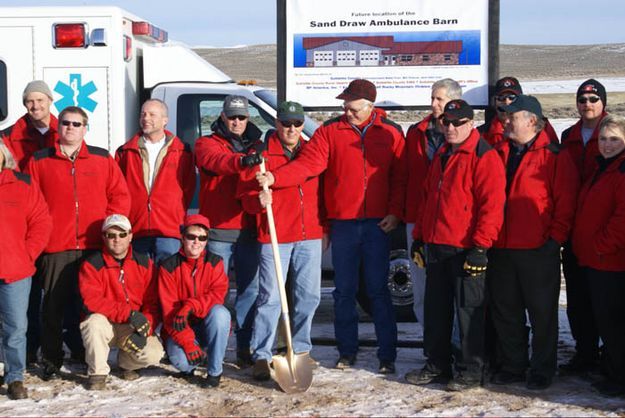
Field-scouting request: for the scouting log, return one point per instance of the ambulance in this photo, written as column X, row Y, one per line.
column 109, row 61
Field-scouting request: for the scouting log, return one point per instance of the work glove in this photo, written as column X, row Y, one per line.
column 417, row 253
column 476, row 261
column 139, row 323
column 134, row 343
column 195, row 355
column 251, row 160
column 181, row 319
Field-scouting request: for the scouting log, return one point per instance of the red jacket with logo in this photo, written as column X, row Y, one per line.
column 585, row 157
column 80, row 194
column 541, row 198
column 25, row 224
column 599, row 232
column 158, row 211
column 114, row 290
column 200, row 282
column 296, row 209
column 23, row 139
column 364, row 175
column 493, row 131
column 418, row 164
column 463, row 203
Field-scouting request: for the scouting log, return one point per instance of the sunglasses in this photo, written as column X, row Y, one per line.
column 69, row 122
column 504, row 97
column 455, row 122
column 288, row 124
column 591, row 99
column 239, row 117
column 193, row 237
column 111, row 235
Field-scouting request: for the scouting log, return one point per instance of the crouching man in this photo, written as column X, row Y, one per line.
column 120, row 295
column 192, row 288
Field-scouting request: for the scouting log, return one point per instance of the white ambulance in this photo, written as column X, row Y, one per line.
column 108, row 61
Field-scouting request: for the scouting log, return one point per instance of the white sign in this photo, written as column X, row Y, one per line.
column 403, row 46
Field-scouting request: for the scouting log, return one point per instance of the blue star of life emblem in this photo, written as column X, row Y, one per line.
column 75, row 94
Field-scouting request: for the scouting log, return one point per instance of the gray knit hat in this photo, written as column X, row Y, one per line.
column 37, row 86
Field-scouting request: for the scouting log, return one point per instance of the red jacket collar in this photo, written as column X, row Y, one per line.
column 576, row 131
column 110, row 261
column 467, row 146
column 274, row 146
column 133, row 143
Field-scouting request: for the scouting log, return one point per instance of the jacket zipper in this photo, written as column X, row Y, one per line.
column 123, row 282
column 301, row 204
column 193, row 272
column 73, row 172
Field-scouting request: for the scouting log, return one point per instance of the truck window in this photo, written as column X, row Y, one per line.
column 4, row 100
column 197, row 112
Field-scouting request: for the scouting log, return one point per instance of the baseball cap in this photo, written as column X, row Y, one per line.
column 236, row 106
column 508, row 85
column 37, row 86
column 524, row 102
column 359, row 89
column 457, row 109
column 290, row 111
column 196, row 219
column 117, row 220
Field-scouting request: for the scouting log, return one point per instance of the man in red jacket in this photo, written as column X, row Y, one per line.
column 82, row 185
column 459, row 219
column 299, row 231
column 220, row 158
column 581, row 141
column 160, row 174
column 192, row 287
column 361, row 154
column 120, row 296
column 524, row 269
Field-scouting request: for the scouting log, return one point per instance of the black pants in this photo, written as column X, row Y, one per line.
column 579, row 307
column 59, row 273
column 525, row 280
column 607, row 292
column 446, row 282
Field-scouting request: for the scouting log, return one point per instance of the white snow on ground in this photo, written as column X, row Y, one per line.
column 569, row 86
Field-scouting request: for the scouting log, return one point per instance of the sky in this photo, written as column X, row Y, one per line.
column 222, row 23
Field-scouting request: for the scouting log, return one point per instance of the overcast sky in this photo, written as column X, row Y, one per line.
column 249, row 22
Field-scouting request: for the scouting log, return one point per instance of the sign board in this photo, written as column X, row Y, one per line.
column 403, row 46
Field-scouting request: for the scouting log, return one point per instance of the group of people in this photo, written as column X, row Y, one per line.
column 101, row 253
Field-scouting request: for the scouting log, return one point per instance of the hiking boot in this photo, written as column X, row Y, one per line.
column 129, row 374
column 17, row 390
column 96, row 382
column 504, row 377
column 261, row 370
column 461, row 383
column 50, row 372
column 427, row 376
column 609, row 387
column 538, row 382
column 345, row 361
column 244, row 359
column 386, row 367
column 211, row 381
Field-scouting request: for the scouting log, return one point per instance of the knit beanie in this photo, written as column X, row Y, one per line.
column 593, row 86
column 37, row 86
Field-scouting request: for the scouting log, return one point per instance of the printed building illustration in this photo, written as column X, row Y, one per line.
column 355, row 51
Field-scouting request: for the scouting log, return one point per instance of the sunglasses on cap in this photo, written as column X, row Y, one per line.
column 112, row 235
column 69, row 122
column 455, row 122
column 239, row 117
column 504, row 97
column 193, row 237
column 591, row 99
column 289, row 123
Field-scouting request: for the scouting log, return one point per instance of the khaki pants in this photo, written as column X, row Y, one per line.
column 99, row 335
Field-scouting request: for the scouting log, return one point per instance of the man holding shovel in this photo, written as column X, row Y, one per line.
column 299, row 233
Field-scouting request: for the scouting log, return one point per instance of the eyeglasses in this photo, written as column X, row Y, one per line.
column 69, row 122
column 111, row 235
column 239, row 117
column 289, row 123
column 352, row 110
column 193, row 237
column 591, row 99
column 455, row 122
column 504, row 97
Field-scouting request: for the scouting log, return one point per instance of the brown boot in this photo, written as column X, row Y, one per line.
column 261, row 370
column 96, row 382
column 129, row 374
column 17, row 390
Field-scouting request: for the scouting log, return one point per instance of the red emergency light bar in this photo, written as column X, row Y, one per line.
column 150, row 31
column 70, row 35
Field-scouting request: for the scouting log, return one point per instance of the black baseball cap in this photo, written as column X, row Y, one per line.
column 457, row 109
column 524, row 102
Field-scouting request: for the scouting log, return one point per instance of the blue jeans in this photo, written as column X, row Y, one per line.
column 157, row 248
column 304, row 257
column 361, row 246
column 13, row 305
column 212, row 335
column 244, row 254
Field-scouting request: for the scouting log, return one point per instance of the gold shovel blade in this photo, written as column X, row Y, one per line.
column 293, row 373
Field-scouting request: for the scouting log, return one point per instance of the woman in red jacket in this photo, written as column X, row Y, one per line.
column 26, row 225
column 599, row 244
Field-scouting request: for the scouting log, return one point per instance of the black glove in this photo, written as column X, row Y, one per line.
column 251, row 160
column 476, row 261
column 134, row 343
column 139, row 322
column 417, row 253
column 551, row 246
